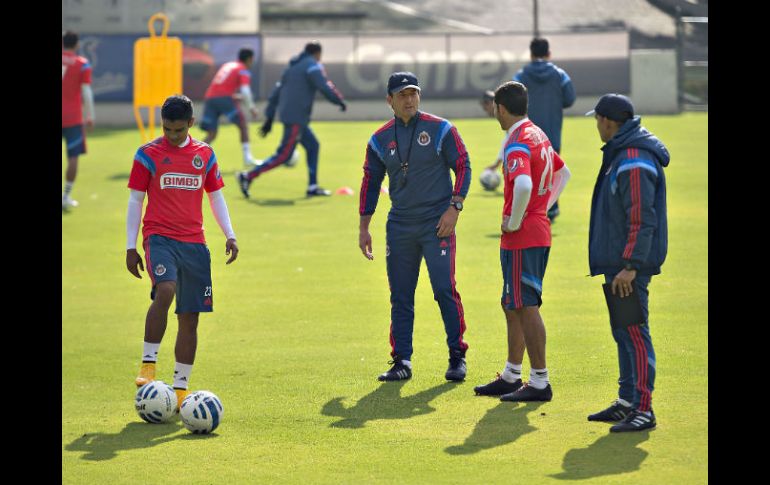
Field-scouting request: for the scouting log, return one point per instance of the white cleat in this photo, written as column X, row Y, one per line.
column 67, row 202
column 251, row 162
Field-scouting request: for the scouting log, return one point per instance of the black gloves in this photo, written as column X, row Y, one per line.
column 266, row 127
column 343, row 107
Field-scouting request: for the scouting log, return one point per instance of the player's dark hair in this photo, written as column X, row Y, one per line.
column 177, row 107
column 538, row 47
column 512, row 95
column 312, row 47
column 245, row 53
column 69, row 40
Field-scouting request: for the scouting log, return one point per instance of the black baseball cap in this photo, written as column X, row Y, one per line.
column 402, row 80
column 614, row 106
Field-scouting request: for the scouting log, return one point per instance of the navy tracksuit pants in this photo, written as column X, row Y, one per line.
column 293, row 134
column 407, row 244
column 636, row 356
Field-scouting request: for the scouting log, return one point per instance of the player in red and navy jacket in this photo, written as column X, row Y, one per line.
column 628, row 241
column 75, row 88
column 417, row 151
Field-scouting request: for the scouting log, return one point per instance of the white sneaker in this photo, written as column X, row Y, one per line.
column 251, row 162
column 67, row 202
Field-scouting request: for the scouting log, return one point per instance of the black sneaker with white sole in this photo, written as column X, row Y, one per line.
column 498, row 387
column 457, row 367
column 635, row 421
column 529, row 393
column 317, row 191
column 616, row 412
column 243, row 183
column 398, row 372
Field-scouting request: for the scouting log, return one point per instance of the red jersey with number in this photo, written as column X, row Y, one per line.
column 229, row 79
column 75, row 71
column 528, row 151
column 174, row 179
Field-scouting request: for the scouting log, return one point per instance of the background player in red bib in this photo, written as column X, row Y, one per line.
column 173, row 171
column 75, row 88
column 229, row 90
column 534, row 177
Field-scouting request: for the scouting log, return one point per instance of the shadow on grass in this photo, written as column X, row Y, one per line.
column 500, row 426
column 385, row 402
column 612, row 454
column 119, row 176
column 105, row 446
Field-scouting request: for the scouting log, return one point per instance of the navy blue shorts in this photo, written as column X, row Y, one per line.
column 76, row 140
column 188, row 264
column 523, row 272
column 216, row 107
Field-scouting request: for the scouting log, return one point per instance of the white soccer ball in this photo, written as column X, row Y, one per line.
column 293, row 160
column 155, row 402
column 490, row 179
column 201, row 412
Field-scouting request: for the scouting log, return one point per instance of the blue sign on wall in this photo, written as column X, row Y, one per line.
column 112, row 59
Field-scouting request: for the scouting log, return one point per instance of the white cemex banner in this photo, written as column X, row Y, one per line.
column 185, row 16
column 453, row 65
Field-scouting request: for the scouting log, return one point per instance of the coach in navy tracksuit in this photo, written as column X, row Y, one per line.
column 628, row 240
column 417, row 150
column 293, row 97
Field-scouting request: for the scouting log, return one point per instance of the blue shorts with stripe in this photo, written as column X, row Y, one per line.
column 216, row 107
column 187, row 264
column 76, row 140
column 523, row 272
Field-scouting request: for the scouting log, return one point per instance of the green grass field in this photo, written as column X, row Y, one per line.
column 300, row 333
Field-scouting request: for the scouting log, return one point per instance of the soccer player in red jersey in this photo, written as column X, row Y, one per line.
column 231, row 88
column 173, row 171
column 534, row 177
column 75, row 88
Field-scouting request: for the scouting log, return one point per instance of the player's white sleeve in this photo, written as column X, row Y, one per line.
column 219, row 208
column 560, row 179
column 88, row 97
column 522, row 190
column 247, row 99
column 134, row 217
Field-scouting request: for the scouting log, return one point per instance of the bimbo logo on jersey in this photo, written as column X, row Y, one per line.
column 183, row 181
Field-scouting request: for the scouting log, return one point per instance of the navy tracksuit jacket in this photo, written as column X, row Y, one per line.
column 292, row 97
column 628, row 225
column 420, row 193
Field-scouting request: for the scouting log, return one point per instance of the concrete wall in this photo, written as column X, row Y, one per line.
column 653, row 91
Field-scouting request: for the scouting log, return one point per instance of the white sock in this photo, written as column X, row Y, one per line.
column 538, row 378
column 511, row 373
column 407, row 363
column 68, row 188
column 624, row 402
column 181, row 375
column 246, row 151
column 313, row 187
column 150, row 352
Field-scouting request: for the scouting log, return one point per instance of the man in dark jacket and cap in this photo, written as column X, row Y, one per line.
column 628, row 241
column 550, row 90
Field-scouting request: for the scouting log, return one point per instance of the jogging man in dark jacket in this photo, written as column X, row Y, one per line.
column 628, row 240
column 293, row 97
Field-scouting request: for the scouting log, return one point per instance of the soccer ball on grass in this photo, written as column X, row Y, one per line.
column 201, row 412
column 155, row 402
column 490, row 179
